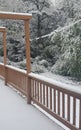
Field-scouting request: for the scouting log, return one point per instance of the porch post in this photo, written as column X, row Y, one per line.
column 4, row 43
column 28, row 62
column 80, row 115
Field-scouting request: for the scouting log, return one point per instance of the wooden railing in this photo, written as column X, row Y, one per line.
column 2, row 70
column 63, row 104
column 56, row 99
column 15, row 77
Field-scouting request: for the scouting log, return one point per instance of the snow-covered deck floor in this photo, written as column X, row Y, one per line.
column 15, row 114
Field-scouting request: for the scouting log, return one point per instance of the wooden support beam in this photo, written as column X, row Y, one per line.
column 28, row 63
column 27, row 40
column 3, row 30
column 4, row 43
column 15, row 16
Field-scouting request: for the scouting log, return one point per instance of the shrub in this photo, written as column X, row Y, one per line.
column 69, row 62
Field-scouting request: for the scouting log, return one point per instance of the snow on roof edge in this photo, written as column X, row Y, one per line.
column 15, row 13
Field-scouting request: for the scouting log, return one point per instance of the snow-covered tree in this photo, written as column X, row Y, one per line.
column 40, row 16
column 68, row 8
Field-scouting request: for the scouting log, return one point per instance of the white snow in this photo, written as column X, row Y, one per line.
column 15, row 13
column 2, row 27
column 15, row 68
column 53, row 1
column 36, row 12
column 15, row 114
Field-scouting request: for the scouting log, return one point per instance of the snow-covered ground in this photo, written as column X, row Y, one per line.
column 62, row 79
column 15, row 114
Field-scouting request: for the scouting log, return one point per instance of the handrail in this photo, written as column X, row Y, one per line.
column 58, row 84
column 15, row 68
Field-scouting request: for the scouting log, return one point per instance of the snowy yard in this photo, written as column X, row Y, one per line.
column 15, row 114
column 63, row 79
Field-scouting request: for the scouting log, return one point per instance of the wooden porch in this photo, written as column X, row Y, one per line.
column 58, row 100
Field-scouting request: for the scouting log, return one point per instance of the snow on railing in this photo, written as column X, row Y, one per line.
column 69, row 87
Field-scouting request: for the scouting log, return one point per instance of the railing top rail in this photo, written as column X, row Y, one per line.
column 2, row 29
column 15, row 68
column 76, row 89
column 15, row 16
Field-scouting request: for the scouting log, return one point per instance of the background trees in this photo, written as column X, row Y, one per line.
column 40, row 19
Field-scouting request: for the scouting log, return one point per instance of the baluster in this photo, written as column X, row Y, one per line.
column 55, row 100
column 32, row 88
column 43, row 94
column 80, row 115
column 50, row 98
column 68, row 108
column 40, row 92
column 74, row 110
column 63, row 105
column 29, row 91
column 59, row 102
column 35, row 89
column 47, row 96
